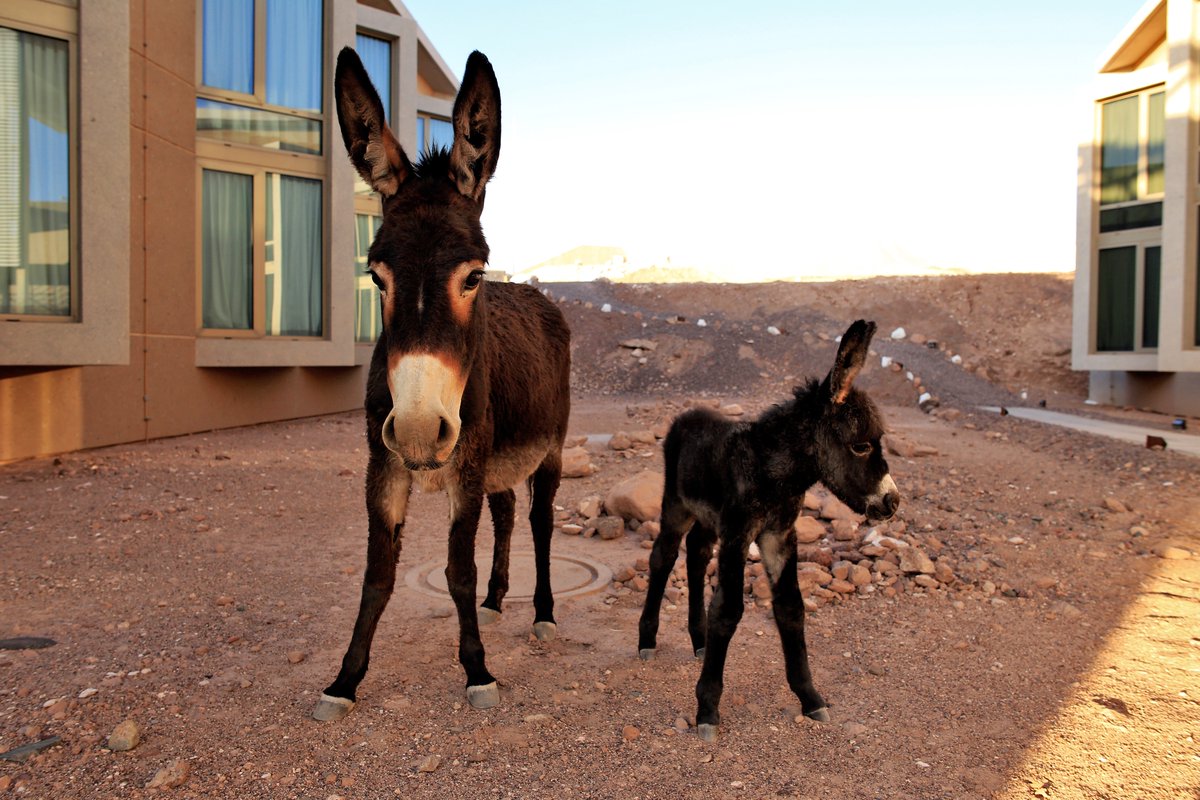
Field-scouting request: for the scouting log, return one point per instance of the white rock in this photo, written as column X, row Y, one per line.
column 885, row 361
column 956, row 359
column 909, row 376
column 700, row 323
column 606, row 308
column 88, row 693
column 924, row 398
column 899, row 333
column 771, row 329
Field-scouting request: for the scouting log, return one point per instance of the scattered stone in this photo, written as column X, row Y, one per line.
column 899, row 333
column 917, row 338
column 630, row 732
column 624, row 574
column 610, row 527
column 914, row 560
column 225, row 600
column 808, row 529
column 571, row 529
column 1116, row 506
column 295, row 657
column 1155, row 443
column 86, row 693
column 1171, row 552
column 640, row 344
column 926, row 581
column 1066, row 610
column 844, row 530
column 639, row 584
column 576, row 463
column 832, row 508
column 943, row 572
column 854, row 728
column 620, row 441
column 840, row 586
column 733, row 410
column 643, row 437
column 638, row 497
column 590, row 506
column 26, row 643
column 21, row 754
column 906, row 449
column 651, row 528
column 430, row 764
column 124, row 737
column 170, row 776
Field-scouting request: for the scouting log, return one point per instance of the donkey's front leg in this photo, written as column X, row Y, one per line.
column 388, row 487
column 543, row 487
column 503, row 507
column 466, row 503
column 723, row 616
column 779, row 559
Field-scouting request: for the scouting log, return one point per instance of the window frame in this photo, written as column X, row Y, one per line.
column 1143, row 163
column 74, row 287
column 1141, row 241
column 99, row 331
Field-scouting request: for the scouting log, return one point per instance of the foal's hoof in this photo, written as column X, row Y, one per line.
column 485, row 696
column 488, row 616
column 647, row 653
column 700, row 654
column 819, row 714
column 707, row 732
column 545, row 631
column 331, row 709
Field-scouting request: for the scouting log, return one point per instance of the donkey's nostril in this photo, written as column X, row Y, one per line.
column 388, row 433
column 443, row 431
column 890, row 503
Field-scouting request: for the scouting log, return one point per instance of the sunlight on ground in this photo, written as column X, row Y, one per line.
column 1129, row 728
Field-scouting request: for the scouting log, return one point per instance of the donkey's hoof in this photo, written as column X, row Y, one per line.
column 485, row 696
column 700, row 654
column 707, row 732
column 819, row 714
column 545, row 631
column 331, row 709
column 647, row 653
column 488, row 616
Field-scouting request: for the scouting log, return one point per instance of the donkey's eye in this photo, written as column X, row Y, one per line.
column 375, row 280
column 861, row 448
column 473, row 279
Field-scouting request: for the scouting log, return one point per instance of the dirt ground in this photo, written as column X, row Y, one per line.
column 204, row 587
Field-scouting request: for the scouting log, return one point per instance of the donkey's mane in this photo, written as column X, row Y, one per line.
column 434, row 162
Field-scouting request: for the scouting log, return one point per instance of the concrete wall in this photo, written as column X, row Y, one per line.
column 1175, row 393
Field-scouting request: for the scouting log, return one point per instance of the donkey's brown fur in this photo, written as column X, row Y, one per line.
column 468, row 385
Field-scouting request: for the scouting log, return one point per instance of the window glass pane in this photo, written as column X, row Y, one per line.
column 1114, row 298
column 1156, row 145
column 253, row 126
column 367, row 318
column 376, row 55
column 35, row 181
column 1119, row 151
column 294, row 63
column 227, row 247
column 1143, row 215
column 441, row 133
column 1152, row 274
column 293, row 256
column 421, row 146
column 229, row 45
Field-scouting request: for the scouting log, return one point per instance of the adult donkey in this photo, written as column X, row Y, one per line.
column 468, row 386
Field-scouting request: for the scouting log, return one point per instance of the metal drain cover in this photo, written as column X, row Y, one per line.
column 570, row 576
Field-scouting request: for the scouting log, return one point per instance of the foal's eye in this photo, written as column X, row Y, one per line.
column 375, row 280
column 473, row 279
column 861, row 448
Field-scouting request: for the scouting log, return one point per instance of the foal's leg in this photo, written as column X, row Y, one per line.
column 543, row 486
column 388, row 487
column 466, row 503
column 723, row 616
column 779, row 559
column 675, row 522
column 699, row 552
column 503, row 508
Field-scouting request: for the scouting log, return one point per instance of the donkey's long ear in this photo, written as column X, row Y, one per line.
column 375, row 152
column 476, row 128
column 851, row 356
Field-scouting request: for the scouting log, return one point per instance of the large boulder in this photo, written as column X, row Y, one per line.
column 639, row 497
column 576, row 463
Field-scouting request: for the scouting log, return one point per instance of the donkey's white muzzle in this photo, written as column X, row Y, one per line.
column 424, row 423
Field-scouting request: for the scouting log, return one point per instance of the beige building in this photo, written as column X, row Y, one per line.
column 182, row 239
column 1136, row 316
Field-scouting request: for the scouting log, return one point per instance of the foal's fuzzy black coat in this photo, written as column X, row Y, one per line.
column 737, row 483
column 468, row 385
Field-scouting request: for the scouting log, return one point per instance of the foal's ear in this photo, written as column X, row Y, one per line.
column 476, row 128
column 851, row 356
column 375, row 152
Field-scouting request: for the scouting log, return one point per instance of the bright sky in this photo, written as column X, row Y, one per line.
column 781, row 139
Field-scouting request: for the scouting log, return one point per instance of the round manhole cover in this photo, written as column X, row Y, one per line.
column 570, row 575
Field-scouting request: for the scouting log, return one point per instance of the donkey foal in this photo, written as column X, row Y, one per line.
column 744, row 482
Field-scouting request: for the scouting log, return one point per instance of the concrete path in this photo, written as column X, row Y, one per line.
column 1135, row 434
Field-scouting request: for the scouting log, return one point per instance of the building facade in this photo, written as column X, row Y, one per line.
column 182, row 238
column 1137, row 293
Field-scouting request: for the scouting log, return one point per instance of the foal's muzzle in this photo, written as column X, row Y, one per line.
column 884, row 502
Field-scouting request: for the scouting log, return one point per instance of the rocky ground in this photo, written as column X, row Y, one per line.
column 1025, row 627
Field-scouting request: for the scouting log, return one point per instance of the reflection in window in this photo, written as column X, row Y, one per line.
column 293, row 256
column 434, row 132
column 227, row 250
column 1114, row 298
column 367, row 318
column 256, row 127
column 294, row 54
column 229, row 45
column 35, row 210
column 1119, row 151
column 376, row 55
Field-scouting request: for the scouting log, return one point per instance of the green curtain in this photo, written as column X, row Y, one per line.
column 1151, row 285
column 35, row 209
column 368, row 313
column 1115, row 298
column 227, row 245
column 1119, row 150
column 294, row 258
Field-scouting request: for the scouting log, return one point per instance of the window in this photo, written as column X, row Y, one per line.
column 433, row 132
column 287, row 299
column 35, row 176
column 258, row 126
column 1127, row 297
column 1132, row 159
column 376, row 56
column 367, row 312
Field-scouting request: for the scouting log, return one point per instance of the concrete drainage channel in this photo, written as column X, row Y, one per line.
column 1134, row 434
column 570, row 575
